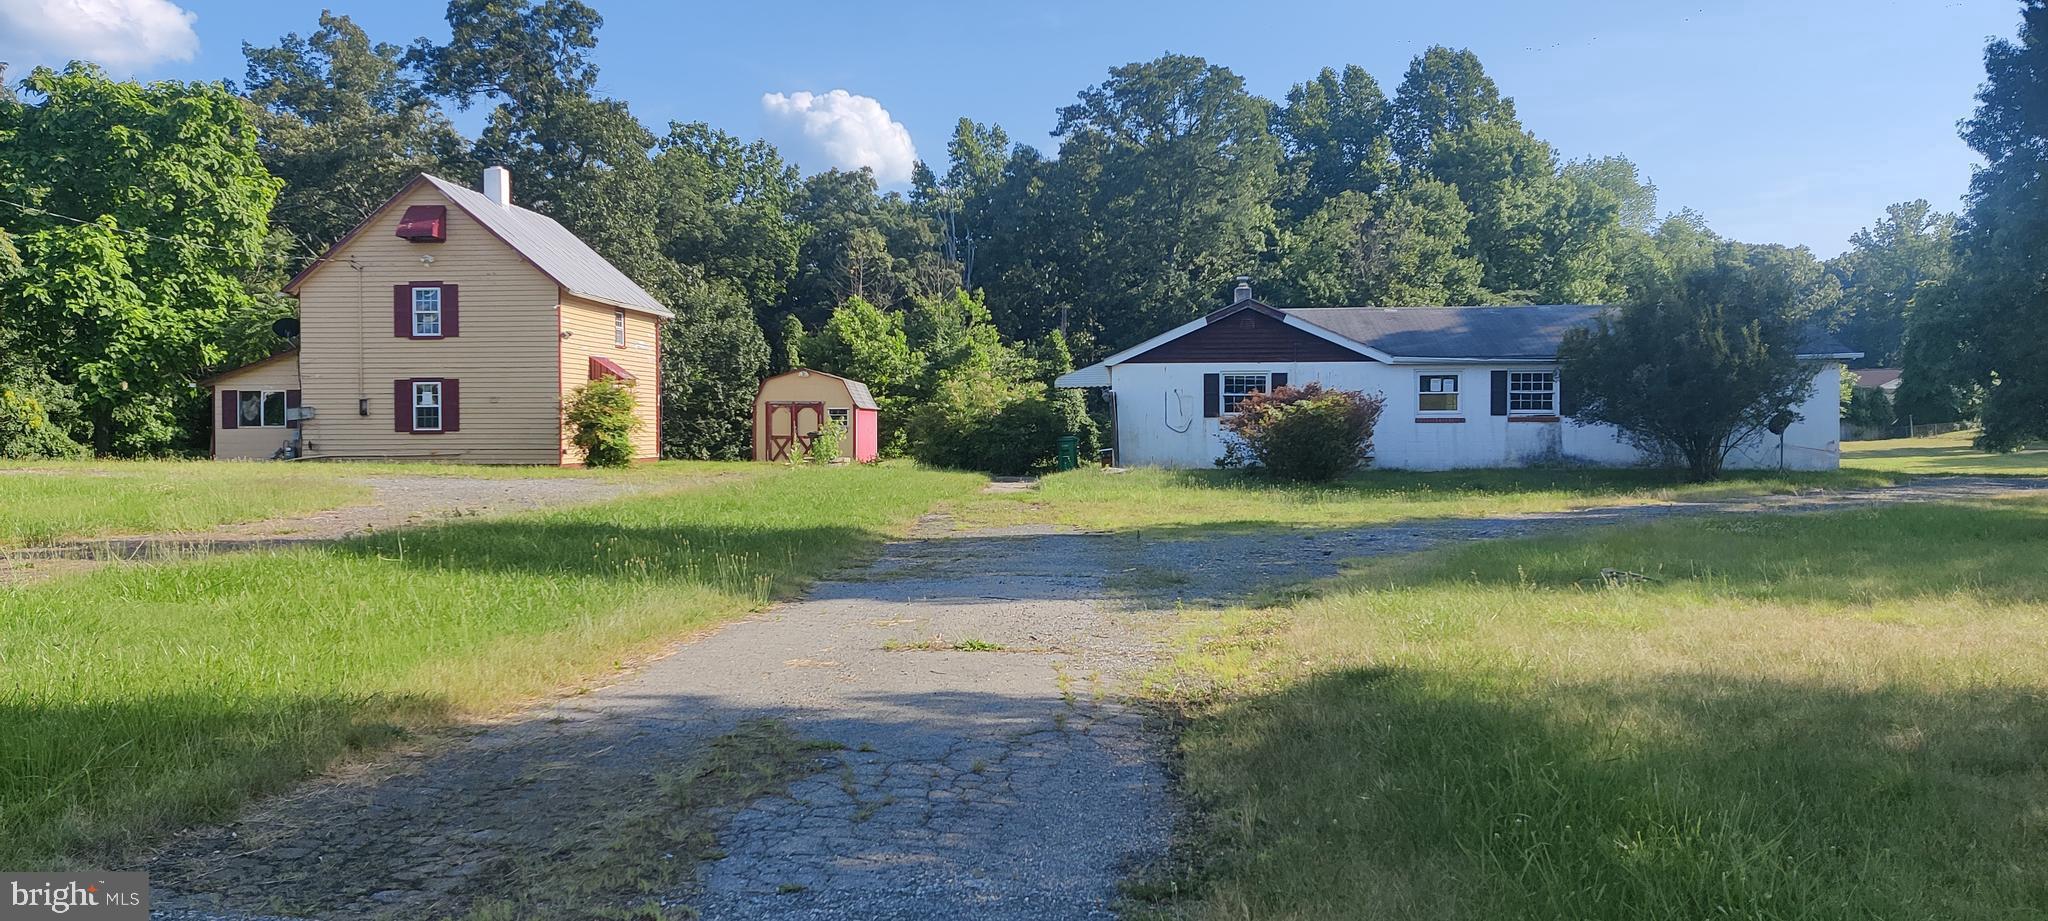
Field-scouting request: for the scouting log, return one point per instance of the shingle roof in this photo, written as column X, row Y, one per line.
column 559, row 254
column 1526, row 333
column 859, row 392
column 1523, row 333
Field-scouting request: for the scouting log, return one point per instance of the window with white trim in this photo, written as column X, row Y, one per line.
column 426, row 311
column 619, row 328
column 260, row 409
column 1238, row 386
column 1532, row 393
column 1436, row 393
column 426, row 406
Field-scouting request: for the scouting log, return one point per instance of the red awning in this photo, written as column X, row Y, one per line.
column 605, row 367
column 424, row 224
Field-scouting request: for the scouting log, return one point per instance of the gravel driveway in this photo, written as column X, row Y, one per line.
column 1010, row 783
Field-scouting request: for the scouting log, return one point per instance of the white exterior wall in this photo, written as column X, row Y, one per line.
column 1159, row 420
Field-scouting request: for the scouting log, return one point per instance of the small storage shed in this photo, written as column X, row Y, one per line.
column 792, row 406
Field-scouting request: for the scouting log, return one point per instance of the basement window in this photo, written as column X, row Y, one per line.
column 260, row 409
column 1238, row 386
column 1532, row 393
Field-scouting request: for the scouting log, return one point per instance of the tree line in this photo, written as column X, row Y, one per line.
column 143, row 258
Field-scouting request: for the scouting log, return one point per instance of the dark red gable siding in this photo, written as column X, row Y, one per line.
column 1248, row 336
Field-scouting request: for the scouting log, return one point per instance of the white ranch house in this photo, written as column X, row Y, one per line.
column 1464, row 386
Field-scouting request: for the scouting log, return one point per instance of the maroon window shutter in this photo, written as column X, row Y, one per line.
column 401, row 405
column 451, row 405
column 291, row 402
column 401, row 311
column 1212, row 396
column 449, row 311
column 230, row 409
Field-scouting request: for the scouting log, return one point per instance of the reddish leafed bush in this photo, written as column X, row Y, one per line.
column 1310, row 432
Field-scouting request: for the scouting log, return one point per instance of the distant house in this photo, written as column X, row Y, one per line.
column 452, row 324
column 1883, row 380
column 1464, row 386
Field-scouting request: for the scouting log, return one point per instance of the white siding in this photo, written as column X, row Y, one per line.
column 1159, row 420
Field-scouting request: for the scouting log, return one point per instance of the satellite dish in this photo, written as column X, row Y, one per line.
column 286, row 327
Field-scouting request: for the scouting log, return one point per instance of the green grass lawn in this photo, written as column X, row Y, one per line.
column 46, row 501
column 1213, row 499
column 1949, row 454
column 1839, row 716
column 141, row 698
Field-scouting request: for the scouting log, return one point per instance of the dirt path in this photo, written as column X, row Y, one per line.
column 991, row 767
column 395, row 502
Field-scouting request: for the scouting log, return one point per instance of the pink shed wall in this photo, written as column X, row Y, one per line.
column 867, row 435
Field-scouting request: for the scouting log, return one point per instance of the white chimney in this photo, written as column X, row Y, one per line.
column 498, row 185
column 1244, row 290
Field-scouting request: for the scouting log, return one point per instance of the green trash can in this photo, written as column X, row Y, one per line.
column 1070, row 448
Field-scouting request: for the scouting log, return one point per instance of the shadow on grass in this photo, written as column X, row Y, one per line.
column 92, row 780
column 1400, row 792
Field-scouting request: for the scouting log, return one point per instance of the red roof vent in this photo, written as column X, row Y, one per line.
column 605, row 367
column 424, row 224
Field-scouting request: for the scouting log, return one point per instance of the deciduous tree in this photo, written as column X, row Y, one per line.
column 137, row 209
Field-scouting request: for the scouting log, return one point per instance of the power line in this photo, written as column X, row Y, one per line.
column 317, row 257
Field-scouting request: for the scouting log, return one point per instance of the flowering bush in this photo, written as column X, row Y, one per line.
column 1303, row 433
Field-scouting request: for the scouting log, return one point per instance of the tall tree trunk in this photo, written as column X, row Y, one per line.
column 103, row 432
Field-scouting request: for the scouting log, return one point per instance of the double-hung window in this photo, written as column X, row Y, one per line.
column 260, row 409
column 1532, row 393
column 619, row 328
column 1436, row 393
column 426, row 312
column 426, row 406
column 1238, row 386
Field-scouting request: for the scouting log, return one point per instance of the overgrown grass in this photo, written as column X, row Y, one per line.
column 139, row 699
column 47, row 501
column 1839, row 716
column 1212, row 499
column 1950, row 454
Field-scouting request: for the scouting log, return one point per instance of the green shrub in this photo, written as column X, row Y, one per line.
column 601, row 421
column 26, row 426
column 1869, row 408
column 826, row 443
column 1304, row 433
column 980, row 420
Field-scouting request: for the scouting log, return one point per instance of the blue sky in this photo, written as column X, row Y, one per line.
column 1791, row 122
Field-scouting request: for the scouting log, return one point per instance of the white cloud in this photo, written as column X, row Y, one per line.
column 120, row 34
column 848, row 131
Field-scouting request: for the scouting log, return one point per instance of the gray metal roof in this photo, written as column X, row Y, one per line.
column 1467, row 333
column 1526, row 333
column 559, row 254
